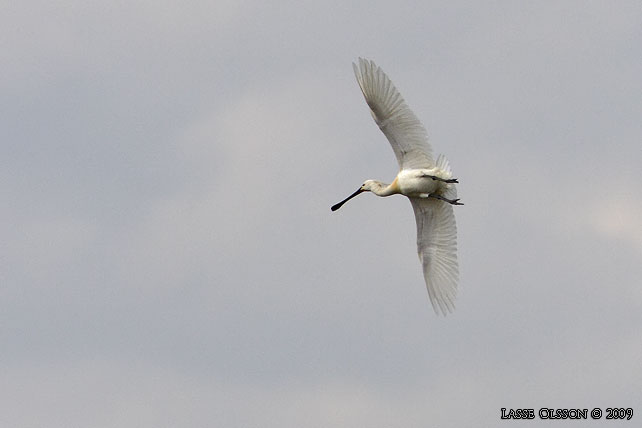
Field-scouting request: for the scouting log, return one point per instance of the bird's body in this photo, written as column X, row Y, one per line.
column 413, row 183
column 417, row 183
column 427, row 183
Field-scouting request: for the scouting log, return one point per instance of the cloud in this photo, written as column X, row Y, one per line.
column 617, row 217
column 169, row 250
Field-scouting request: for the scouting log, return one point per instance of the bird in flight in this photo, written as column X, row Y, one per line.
column 428, row 183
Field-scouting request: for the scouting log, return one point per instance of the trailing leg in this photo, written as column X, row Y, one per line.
column 441, row 198
column 445, row 180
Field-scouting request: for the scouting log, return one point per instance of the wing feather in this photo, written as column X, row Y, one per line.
column 437, row 249
column 406, row 134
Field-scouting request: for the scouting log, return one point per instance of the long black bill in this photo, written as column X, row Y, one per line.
column 337, row 206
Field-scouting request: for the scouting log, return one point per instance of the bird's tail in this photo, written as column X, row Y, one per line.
column 442, row 164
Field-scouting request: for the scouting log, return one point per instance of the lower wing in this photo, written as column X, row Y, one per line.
column 437, row 248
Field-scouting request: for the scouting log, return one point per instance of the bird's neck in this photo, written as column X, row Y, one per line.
column 384, row 189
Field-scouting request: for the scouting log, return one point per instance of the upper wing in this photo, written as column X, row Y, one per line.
column 406, row 134
column 437, row 248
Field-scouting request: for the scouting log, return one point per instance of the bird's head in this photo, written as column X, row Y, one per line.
column 367, row 186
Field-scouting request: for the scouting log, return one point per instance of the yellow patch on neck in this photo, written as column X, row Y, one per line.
column 395, row 185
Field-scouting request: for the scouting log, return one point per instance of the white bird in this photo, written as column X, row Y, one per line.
column 427, row 183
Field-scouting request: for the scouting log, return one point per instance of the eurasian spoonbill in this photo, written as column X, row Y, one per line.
column 427, row 183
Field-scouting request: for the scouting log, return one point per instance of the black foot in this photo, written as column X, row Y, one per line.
column 441, row 198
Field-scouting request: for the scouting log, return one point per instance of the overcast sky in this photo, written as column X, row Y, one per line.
column 168, row 253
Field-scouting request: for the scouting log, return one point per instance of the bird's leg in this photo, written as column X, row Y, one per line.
column 441, row 198
column 445, row 180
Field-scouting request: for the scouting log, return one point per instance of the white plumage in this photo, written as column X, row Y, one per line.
column 428, row 184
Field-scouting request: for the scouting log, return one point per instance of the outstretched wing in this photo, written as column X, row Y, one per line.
column 407, row 136
column 437, row 248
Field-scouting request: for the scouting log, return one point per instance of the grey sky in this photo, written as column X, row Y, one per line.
column 169, row 255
